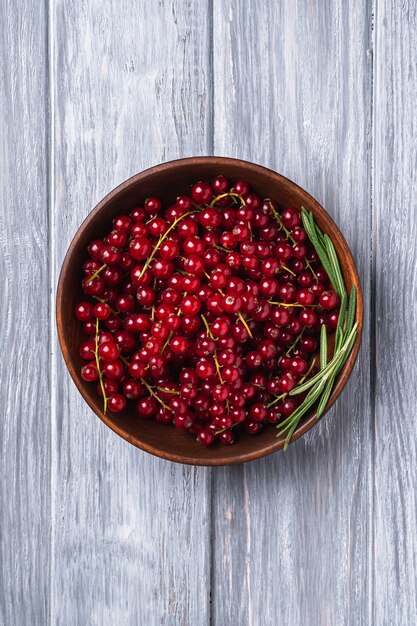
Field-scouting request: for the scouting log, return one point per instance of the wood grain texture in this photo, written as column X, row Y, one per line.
column 395, row 188
column 95, row 532
column 131, row 532
column 24, row 310
column 292, row 536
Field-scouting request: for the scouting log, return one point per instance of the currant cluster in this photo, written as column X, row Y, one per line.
column 205, row 313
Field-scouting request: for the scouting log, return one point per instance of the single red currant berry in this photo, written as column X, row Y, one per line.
column 210, row 218
column 184, row 202
column 201, row 193
column 116, row 403
column 179, row 345
column 305, row 297
column 220, row 326
column 205, row 369
column 87, row 350
column 226, row 437
column 183, row 421
column 152, row 205
column 84, row 311
column 287, row 292
column 205, row 437
column 117, row 239
column 138, row 214
column 298, row 366
column 140, row 248
column 132, row 389
column 232, row 303
column 95, row 286
column 241, row 187
column 89, row 372
column 191, row 305
column 291, row 218
column 281, row 316
column 110, row 387
column 109, row 351
column 258, row 412
column 122, row 223
column 252, row 427
column 146, row 407
column 329, row 299
column 169, row 249
column 287, row 383
column 308, row 318
column 230, row 374
column 253, row 359
column 114, row 369
column 220, row 185
column 137, row 369
column 95, row 248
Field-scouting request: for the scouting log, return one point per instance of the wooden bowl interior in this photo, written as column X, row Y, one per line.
column 167, row 181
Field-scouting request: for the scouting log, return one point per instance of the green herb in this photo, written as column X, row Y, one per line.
column 320, row 385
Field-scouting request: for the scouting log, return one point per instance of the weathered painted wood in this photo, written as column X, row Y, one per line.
column 131, row 532
column 24, row 310
column 292, row 540
column 395, row 188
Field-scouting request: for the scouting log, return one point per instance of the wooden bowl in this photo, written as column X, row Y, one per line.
column 167, row 181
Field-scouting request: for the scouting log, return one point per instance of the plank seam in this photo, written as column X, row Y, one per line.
column 49, row 122
column 372, row 327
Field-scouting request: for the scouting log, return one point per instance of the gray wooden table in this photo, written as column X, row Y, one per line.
column 95, row 532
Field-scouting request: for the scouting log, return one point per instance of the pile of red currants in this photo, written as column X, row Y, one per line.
column 205, row 313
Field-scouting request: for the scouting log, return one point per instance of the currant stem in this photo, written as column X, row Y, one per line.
column 304, row 306
column 281, row 225
column 229, row 194
column 206, row 324
column 157, row 398
column 100, row 375
column 100, row 269
column 284, row 395
column 288, row 270
column 292, row 346
column 217, row 364
column 161, row 240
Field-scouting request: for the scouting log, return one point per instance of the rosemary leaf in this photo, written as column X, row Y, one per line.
column 329, row 385
column 334, row 261
column 324, row 373
column 338, row 339
column 325, row 397
column 318, row 246
column 304, row 406
column 351, row 312
column 342, row 312
column 323, row 347
column 302, row 409
column 290, row 434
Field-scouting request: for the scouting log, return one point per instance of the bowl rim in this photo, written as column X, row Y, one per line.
column 343, row 376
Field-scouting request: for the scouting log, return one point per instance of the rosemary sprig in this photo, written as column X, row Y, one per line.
column 320, row 386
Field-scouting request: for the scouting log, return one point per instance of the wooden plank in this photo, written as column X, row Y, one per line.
column 292, row 541
column 395, row 186
column 131, row 532
column 24, row 271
